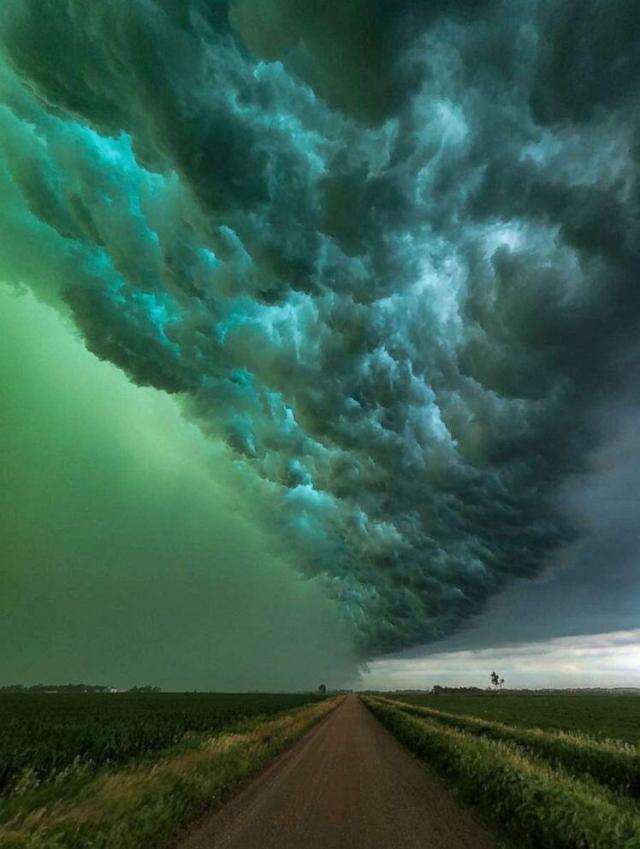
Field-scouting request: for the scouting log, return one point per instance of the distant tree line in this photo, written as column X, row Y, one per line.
column 74, row 688
column 437, row 690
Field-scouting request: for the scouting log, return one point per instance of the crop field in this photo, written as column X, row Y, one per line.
column 105, row 771
column 602, row 716
column 548, row 788
column 46, row 737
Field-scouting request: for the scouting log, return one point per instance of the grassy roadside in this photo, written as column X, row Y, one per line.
column 50, row 737
column 149, row 803
column 528, row 801
column 611, row 763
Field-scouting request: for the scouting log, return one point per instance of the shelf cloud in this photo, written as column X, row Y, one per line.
column 387, row 252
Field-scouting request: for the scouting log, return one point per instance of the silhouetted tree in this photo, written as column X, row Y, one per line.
column 322, row 689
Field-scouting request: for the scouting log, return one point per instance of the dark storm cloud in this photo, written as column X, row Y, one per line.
column 351, row 53
column 590, row 60
column 594, row 585
column 380, row 248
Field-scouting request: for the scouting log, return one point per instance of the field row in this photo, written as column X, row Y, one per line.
column 612, row 763
column 530, row 799
column 49, row 737
column 600, row 716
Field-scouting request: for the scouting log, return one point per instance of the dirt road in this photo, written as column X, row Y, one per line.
column 347, row 785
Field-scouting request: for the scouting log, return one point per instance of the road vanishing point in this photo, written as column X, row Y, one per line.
column 347, row 784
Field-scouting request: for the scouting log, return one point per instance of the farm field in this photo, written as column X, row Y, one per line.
column 47, row 735
column 538, row 788
column 130, row 771
column 601, row 716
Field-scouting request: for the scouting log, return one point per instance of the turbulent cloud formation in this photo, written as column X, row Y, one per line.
column 387, row 251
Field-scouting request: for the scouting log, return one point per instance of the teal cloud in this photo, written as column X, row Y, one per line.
column 375, row 251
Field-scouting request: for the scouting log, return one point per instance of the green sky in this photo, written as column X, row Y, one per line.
column 126, row 557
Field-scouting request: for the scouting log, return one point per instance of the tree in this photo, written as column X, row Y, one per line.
column 322, row 689
column 495, row 679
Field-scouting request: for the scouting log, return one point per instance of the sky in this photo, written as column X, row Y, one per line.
column 318, row 338
column 593, row 660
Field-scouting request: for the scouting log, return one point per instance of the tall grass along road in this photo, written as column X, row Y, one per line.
column 47, row 738
column 347, row 785
column 541, row 791
column 612, row 763
column 146, row 801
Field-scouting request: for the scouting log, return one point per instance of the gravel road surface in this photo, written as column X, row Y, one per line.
column 348, row 784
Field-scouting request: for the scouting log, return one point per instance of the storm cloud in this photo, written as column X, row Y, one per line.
column 388, row 252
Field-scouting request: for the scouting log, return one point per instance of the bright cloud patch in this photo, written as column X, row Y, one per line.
column 593, row 660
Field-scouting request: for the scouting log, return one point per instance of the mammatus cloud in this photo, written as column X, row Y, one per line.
column 387, row 252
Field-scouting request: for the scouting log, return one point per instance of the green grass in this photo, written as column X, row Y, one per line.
column 601, row 716
column 45, row 737
column 613, row 764
column 148, row 802
column 526, row 800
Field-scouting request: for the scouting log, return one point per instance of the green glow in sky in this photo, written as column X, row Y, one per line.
column 127, row 555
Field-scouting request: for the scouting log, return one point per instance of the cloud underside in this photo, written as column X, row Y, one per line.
column 387, row 252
